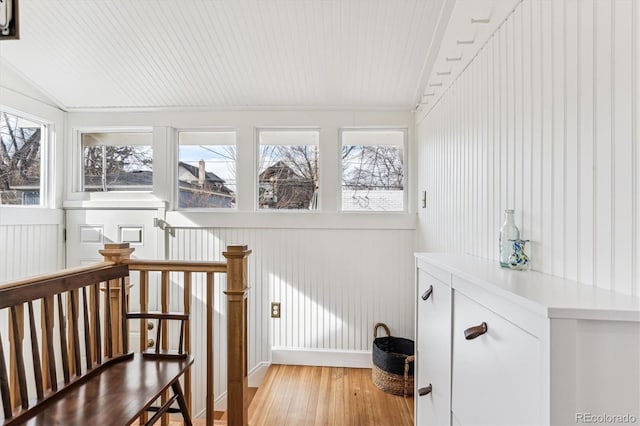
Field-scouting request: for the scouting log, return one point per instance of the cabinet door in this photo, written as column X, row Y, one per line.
column 433, row 351
column 496, row 375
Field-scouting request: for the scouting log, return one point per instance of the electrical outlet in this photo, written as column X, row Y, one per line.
column 275, row 309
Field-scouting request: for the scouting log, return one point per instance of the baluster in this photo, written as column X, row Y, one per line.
column 18, row 329
column 87, row 332
column 108, row 330
column 35, row 353
column 63, row 340
column 144, row 307
column 47, row 302
column 75, row 335
column 187, row 337
column 123, row 316
column 165, row 331
column 209, row 373
column 165, row 306
column 4, row 385
column 97, row 335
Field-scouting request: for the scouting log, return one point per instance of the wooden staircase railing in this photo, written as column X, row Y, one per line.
column 235, row 267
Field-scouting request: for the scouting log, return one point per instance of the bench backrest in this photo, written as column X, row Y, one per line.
column 68, row 332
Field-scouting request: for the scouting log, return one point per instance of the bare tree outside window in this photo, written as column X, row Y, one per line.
column 288, row 176
column 373, row 174
column 20, row 160
column 111, row 162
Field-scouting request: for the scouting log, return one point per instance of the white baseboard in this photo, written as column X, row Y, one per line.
column 256, row 375
column 321, row 357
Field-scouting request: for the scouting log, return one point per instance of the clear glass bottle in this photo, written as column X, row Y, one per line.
column 508, row 231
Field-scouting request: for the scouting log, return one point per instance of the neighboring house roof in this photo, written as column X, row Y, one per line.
column 212, row 181
column 279, row 170
column 144, row 178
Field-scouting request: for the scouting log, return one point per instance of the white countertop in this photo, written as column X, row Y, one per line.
column 545, row 294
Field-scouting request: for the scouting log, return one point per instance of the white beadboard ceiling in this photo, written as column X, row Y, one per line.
column 227, row 53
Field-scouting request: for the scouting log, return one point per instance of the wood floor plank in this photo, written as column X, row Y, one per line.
column 296, row 414
column 315, row 376
column 324, row 397
column 337, row 414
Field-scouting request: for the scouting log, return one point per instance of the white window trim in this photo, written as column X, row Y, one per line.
column 76, row 192
column 256, row 171
column 175, row 201
column 405, row 177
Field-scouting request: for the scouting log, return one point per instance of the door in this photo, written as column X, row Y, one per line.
column 89, row 230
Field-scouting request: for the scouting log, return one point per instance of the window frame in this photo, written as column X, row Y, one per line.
column 256, row 169
column 405, row 163
column 77, row 187
column 47, row 179
column 175, row 202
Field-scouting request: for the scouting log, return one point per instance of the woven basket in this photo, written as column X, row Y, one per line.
column 392, row 363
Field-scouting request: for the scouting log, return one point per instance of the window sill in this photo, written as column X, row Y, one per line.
column 292, row 220
column 114, row 201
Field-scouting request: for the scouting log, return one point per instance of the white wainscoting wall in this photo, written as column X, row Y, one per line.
column 32, row 247
column 543, row 120
column 333, row 286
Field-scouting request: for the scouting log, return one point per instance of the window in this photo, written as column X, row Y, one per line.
column 117, row 161
column 207, row 169
column 288, row 169
column 373, row 170
column 20, row 160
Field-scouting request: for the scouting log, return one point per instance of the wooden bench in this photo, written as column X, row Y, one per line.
column 69, row 367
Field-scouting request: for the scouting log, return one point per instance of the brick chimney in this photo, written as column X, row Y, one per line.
column 201, row 173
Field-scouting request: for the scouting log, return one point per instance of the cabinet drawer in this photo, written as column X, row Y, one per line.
column 433, row 350
column 496, row 375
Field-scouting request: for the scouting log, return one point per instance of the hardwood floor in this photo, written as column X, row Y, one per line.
column 301, row 395
column 331, row 396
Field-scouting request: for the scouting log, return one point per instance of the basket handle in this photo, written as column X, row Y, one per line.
column 378, row 325
column 408, row 360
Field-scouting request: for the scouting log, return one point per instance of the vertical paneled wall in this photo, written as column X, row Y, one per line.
column 334, row 285
column 27, row 250
column 544, row 120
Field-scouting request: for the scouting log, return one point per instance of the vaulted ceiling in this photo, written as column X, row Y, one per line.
column 226, row 53
column 142, row 54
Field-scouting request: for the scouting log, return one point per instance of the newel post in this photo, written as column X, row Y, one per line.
column 237, row 375
column 117, row 253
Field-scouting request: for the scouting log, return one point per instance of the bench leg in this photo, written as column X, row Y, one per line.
column 177, row 391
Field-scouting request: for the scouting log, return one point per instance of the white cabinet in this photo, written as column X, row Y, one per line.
column 433, row 374
column 493, row 373
column 501, row 347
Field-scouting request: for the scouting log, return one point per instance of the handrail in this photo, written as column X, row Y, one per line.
column 55, row 275
column 45, row 286
column 175, row 265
